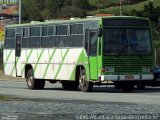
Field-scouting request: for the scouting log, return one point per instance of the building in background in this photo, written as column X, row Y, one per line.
column 9, row 14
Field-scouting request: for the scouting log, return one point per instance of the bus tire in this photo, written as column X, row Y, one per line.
column 33, row 83
column 69, row 85
column 85, row 86
column 127, row 87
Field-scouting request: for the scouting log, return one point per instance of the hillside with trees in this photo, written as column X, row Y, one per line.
column 33, row 10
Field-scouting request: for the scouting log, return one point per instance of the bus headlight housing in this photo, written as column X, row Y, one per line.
column 107, row 69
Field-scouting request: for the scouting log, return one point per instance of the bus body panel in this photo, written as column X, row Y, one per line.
column 61, row 63
column 9, row 62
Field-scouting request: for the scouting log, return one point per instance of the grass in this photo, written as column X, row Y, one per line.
column 4, row 98
column 126, row 8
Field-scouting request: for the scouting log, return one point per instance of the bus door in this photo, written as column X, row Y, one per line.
column 18, row 55
column 93, row 40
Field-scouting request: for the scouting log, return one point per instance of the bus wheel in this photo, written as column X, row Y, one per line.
column 33, row 83
column 84, row 85
column 70, row 85
column 127, row 87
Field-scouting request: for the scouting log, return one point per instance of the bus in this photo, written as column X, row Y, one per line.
column 81, row 53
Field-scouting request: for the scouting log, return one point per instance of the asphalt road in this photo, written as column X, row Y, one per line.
column 55, row 103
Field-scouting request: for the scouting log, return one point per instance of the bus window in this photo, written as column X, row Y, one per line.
column 34, row 31
column 9, row 43
column 18, row 30
column 76, row 29
column 25, row 38
column 61, row 41
column 62, row 30
column 34, row 42
column 44, row 31
column 87, row 41
column 50, row 30
column 76, row 41
column 10, row 33
column 47, row 42
column 25, row 32
column 79, row 28
column 76, row 35
column 93, row 37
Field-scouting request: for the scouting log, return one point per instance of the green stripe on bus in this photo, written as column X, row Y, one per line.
column 61, row 64
column 27, row 60
column 14, row 66
column 79, row 60
column 38, row 60
column 7, row 58
column 49, row 63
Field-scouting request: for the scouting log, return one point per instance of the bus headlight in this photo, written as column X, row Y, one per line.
column 146, row 69
column 107, row 69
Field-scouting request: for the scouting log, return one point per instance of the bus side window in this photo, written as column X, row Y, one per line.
column 10, row 39
column 93, row 37
column 76, row 35
column 87, row 41
column 25, row 38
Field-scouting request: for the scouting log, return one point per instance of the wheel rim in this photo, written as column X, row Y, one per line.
column 30, row 80
column 82, row 80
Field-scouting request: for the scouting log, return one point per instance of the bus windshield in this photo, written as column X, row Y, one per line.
column 127, row 41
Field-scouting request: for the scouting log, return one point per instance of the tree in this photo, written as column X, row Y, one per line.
column 82, row 4
column 71, row 11
column 99, row 3
column 31, row 10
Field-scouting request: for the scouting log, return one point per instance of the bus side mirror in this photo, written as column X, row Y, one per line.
column 100, row 32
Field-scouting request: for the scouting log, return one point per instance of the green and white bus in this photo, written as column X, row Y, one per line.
column 115, row 50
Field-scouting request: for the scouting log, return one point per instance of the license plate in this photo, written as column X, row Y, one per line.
column 129, row 77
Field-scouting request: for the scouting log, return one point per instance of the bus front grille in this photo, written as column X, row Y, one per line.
column 128, row 64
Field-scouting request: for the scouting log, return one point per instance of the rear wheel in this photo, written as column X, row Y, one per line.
column 70, row 85
column 33, row 83
column 84, row 85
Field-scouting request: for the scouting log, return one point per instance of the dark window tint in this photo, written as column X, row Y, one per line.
column 93, row 37
column 62, row 30
column 25, row 32
column 50, row 30
column 44, row 31
column 47, row 42
column 25, row 42
column 76, row 29
column 34, row 42
column 87, row 41
column 35, row 31
column 61, row 41
column 125, row 22
column 76, row 41
column 18, row 30
column 9, row 43
column 10, row 33
column 99, row 49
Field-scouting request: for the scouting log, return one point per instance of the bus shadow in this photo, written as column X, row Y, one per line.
column 111, row 90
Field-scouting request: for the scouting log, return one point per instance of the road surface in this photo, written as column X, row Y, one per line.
column 55, row 103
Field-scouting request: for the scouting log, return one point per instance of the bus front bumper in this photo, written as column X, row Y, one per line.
column 126, row 77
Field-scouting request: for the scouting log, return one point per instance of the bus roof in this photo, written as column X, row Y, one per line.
column 57, row 21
